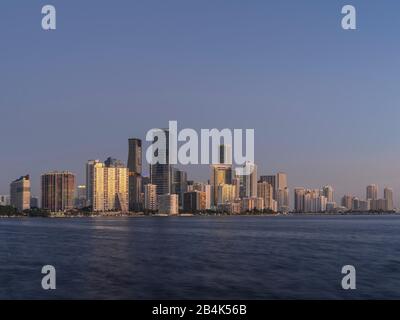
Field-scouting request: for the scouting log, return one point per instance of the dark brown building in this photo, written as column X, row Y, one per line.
column 58, row 189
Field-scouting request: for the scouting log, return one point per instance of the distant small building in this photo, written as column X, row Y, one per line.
column 4, row 200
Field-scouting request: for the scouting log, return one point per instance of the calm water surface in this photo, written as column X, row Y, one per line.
column 201, row 258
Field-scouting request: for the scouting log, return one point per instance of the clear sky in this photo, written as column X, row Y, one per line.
column 324, row 102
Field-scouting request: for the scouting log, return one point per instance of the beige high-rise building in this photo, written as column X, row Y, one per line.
column 282, row 192
column 266, row 192
column 372, row 192
column 150, row 197
column 226, row 193
column 388, row 196
column 20, row 193
column 220, row 174
column 281, row 181
column 168, row 204
column 109, row 186
column 206, row 188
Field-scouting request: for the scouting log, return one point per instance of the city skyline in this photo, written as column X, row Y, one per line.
column 247, row 186
column 323, row 102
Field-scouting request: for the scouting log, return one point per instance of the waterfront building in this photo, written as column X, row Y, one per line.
column 372, row 192
column 328, row 192
column 34, row 203
column 347, row 202
column 207, row 189
column 58, row 190
column 150, row 197
column 225, row 193
column 20, row 193
column 80, row 198
column 299, row 199
column 252, row 203
column 194, row 201
column 109, row 185
column 266, row 192
column 282, row 192
column 168, row 204
column 271, row 179
column 388, row 196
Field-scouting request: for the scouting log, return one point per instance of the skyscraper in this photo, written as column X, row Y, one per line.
column 249, row 181
column 372, row 192
column 271, row 179
column 220, row 174
column 179, row 184
column 347, row 202
column 265, row 191
column 150, row 197
column 327, row 191
column 90, row 166
column 160, row 172
column 388, row 195
column 108, row 183
column 299, row 205
column 58, row 190
column 20, row 193
column 282, row 192
column 135, row 174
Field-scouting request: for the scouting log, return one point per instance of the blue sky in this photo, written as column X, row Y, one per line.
column 323, row 101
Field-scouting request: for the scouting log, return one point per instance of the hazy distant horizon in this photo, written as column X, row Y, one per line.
column 323, row 101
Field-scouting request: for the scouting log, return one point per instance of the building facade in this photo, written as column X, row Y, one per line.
column 58, row 191
column 135, row 174
column 20, row 193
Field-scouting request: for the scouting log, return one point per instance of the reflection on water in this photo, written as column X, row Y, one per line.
column 201, row 258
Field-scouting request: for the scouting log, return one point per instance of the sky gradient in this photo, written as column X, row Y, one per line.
column 324, row 102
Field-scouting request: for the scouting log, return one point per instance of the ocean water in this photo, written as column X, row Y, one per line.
column 294, row 257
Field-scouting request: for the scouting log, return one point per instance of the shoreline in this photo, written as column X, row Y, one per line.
column 190, row 215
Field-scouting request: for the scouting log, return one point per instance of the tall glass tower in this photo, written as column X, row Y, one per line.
column 135, row 174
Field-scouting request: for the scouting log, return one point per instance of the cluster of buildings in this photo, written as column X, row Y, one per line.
column 112, row 186
column 372, row 202
column 322, row 200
